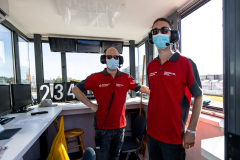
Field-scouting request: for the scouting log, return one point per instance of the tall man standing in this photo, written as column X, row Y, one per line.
column 110, row 121
column 173, row 79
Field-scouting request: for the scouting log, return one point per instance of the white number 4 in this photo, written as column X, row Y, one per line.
column 70, row 91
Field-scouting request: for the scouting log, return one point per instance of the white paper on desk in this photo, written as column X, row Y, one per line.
column 31, row 121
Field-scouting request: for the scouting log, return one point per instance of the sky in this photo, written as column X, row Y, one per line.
column 201, row 41
column 202, row 38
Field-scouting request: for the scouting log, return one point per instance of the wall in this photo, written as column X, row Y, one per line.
column 208, row 127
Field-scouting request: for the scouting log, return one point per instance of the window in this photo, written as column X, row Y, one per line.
column 141, row 52
column 51, row 65
column 137, row 72
column 155, row 51
column 24, row 60
column 81, row 65
column 32, row 69
column 6, row 57
column 204, row 47
column 126, row 65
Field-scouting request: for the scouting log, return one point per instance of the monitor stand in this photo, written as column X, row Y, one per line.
column 23, row 110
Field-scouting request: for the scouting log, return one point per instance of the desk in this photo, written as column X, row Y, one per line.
column 19, row 144
column 213, row 148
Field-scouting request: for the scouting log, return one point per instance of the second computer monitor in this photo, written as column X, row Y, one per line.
column 5, row 99
column 21, row 95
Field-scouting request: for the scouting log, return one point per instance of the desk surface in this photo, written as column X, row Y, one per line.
column 79, row 105
column 213, row 148
column 19, row 144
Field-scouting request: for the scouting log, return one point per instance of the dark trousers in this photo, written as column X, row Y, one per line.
column 164, row 151
column 111, row 141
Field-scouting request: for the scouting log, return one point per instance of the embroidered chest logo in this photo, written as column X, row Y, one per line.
column 152, row 74
column 103, row 85
column 169, row 73
column 119, row 85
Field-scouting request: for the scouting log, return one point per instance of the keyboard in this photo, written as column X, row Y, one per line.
column 8, row 133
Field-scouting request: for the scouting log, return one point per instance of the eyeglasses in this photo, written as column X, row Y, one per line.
column 110, row 56
column 163, row 30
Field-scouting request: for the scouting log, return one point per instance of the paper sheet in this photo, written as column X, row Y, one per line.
column 31, row 121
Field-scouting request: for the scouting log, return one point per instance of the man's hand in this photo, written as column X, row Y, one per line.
column 188, row 140
column 93, row 107
column 144, row 89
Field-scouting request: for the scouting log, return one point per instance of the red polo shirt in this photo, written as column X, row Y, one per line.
column 102, row 85
column 172, row 85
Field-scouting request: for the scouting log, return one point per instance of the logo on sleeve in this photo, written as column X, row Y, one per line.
column 152, row 74
column 169, row 73
column 103, row 85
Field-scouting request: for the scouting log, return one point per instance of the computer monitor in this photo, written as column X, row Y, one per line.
column 88, row 46
column 62, row 45
column 21, row 97
column 5, row 99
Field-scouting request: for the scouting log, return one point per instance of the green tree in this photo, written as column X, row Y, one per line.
column 58, row 80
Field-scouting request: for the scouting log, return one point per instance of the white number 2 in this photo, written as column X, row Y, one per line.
column 70, row 91
column 59, row 91
column 47, row 91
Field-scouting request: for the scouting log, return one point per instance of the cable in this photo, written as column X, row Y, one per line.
column 110, row 102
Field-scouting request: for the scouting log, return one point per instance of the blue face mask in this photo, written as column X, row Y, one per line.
column 160, row 40
column 112, row 64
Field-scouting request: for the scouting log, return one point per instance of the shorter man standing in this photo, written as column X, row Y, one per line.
column 109, row 87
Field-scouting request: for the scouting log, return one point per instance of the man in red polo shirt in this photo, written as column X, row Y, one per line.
column 110, row 122
column 173, row 79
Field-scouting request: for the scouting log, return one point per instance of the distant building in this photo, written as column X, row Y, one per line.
column 218, row 77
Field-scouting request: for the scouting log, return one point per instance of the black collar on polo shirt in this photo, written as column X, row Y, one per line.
column 106, row 73
column 173, row 58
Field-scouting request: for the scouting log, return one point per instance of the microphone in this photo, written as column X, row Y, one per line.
column 168, row 44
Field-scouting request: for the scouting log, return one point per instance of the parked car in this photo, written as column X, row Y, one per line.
column 206, row 100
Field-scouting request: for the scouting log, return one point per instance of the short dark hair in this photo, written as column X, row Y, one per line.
column 163, row 19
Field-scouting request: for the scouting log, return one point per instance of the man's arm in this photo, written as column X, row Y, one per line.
column 81, row 97
column 189, row 138
column 144, row 89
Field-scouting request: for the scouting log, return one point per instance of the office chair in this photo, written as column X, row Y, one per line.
column 134, row 143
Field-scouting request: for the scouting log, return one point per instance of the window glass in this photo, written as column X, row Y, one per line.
column 51, row 66
column 205, row 48
column 81, row 65
column 141, row 51
column 32, row 69
column 155, row 51
column 126, row 64
column 24, row 60
column 137, row 65
column 6, row 58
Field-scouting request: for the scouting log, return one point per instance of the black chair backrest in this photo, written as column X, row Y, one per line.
column 139, row 127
